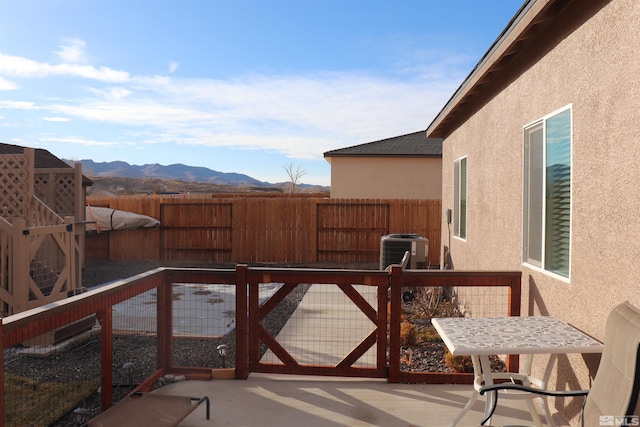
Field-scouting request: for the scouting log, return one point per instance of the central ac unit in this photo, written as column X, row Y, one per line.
column 394, row 246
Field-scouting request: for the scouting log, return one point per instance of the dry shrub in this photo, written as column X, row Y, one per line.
column 408, row 334
column 428, row 335
column 406, row 358
column 458, row 363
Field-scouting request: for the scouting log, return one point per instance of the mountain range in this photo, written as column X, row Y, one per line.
column 136, row 178
column 176, row 171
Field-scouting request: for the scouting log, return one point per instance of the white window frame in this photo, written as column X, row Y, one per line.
column 460, row 198
column 541, row 265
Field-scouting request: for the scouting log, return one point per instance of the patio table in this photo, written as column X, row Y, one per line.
column 482, row 337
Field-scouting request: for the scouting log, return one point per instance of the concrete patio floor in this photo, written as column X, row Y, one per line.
column 268, row 400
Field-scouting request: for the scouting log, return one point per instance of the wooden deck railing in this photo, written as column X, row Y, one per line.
column 385, row 315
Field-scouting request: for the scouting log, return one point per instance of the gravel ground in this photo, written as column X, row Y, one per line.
column 81, row 361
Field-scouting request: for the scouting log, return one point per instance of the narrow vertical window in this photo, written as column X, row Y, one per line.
column 460, row 198
column 534, row 194
column 547, row 193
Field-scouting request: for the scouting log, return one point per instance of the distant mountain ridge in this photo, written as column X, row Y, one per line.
column 175, row 171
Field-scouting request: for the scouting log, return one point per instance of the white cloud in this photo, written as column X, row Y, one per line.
column 7, row 85
column 18, row 105
column 72, row 50
column 55, row 119
column 78, row 141
column 112, row 93
column 301, row 116
column 173, row 66
column 119, row 92
column 18, row 66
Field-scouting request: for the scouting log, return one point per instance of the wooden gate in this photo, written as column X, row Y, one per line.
column 350, row 232
column 359, row 351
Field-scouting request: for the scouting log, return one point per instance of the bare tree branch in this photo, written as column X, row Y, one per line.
column 294, row 174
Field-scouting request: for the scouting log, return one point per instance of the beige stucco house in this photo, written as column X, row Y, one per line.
column 540, row 162
column 403, row 167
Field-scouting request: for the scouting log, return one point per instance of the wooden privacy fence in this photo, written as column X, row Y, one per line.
column 284, row 229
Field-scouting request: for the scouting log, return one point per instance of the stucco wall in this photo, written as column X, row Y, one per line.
column 595, row 67
column 386, row 177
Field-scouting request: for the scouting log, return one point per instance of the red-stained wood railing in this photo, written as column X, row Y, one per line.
column 400, row 279
column 385, row 316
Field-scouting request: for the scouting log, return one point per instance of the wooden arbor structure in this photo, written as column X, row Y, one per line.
column 41, row 233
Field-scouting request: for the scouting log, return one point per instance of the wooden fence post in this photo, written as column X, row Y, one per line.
column 313, row 221
column 21, row 279
column 396, row 280
column 70, row 257
column 383, row 316
column 515, row 296
column 105, row 317
column 2, row 412
column 165, row 324
column 242, row 335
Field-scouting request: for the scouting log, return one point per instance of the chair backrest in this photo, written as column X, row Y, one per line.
column 403, row 263
column 405, row 259
column 616, row 386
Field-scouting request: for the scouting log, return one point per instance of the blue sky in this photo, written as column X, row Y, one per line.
column 242, row 86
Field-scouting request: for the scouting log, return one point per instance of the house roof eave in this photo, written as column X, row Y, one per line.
column 413, row 144
column 329, row 155
column 526, row 23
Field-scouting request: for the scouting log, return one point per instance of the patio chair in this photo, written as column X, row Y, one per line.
column 613, row 397
column 149, row 410
column 403, row 262
column 407, row 294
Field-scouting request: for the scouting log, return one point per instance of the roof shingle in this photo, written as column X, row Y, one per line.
column 410, row 145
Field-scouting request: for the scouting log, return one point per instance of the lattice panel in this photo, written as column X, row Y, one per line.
column 42, row 187
column 64, row 192
column 57, row 191
column 14, row 186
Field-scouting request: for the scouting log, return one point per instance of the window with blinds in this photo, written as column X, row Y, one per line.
column 547, row 193
column 460, row 198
